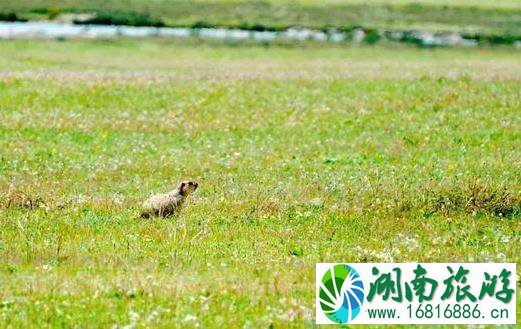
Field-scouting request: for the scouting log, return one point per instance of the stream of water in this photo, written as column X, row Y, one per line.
column 17, row 30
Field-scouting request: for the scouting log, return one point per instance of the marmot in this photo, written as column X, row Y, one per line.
column 164, row 205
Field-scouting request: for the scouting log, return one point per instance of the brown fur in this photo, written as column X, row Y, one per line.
column 168, row 204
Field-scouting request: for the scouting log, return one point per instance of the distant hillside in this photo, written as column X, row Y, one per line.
column 488, row 18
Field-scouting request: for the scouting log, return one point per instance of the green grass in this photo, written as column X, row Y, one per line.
column 303, row 154
column 460, row 3
column 492, row 18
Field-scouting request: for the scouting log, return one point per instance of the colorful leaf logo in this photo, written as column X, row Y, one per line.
column 341, row 293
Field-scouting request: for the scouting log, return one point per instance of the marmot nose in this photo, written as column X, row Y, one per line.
column 196, row 184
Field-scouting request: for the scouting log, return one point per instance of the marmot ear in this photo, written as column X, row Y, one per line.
column 182, row 185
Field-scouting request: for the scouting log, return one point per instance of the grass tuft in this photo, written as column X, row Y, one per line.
column 21, row 199
column 476, row 198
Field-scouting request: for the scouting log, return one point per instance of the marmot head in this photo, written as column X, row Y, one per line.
column 187, row 187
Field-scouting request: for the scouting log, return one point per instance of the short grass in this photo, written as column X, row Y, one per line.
column 459, row 3
column 304, row 154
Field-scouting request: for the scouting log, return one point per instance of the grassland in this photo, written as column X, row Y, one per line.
column 492, row 18
column 460, row 3
column 304, row 154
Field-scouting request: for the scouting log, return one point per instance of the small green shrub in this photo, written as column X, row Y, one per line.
column 372, row 37
column 475, row 198
column 122, row 18
column 11, row 17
